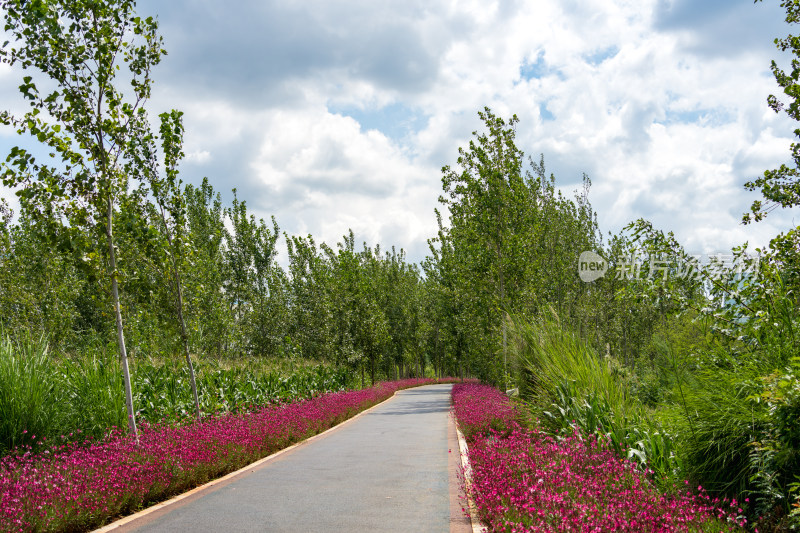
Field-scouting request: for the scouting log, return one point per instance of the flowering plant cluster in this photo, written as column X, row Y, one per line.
column 525, row 480
column 480, row 408
column 80, row 486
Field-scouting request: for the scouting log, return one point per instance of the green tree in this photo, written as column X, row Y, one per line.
column 485, row 200
column 265, row 327
column 780, row 187
column 399, row 297
column 250, row 250
column 511, row 245
column 39, row 284
column 209, row 319
column 86, row 121
column 373, row 336
column 312, row 321
column 460, row 320
column 171, row 212
column 346, row 273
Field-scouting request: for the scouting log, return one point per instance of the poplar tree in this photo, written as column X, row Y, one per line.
column 166, row 190
column 486, row 200
column 74, row 50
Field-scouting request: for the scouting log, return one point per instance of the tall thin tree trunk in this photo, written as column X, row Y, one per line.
column 179, row 303
column 505, row 312
column 123, row 354
column 505, row 350
column 185, row 338
column 505, row 334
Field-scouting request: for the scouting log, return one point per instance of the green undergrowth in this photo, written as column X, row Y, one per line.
column 726, row 423
column 568, row 385
column 45, row 395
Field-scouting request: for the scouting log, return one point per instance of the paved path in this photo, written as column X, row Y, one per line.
column 387, row 470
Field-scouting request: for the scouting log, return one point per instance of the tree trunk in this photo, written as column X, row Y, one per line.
column 505, row 346
column 123, row 354
column 505, row 312
column 179, row 304
column 185, row 339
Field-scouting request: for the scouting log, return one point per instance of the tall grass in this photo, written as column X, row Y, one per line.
column 94, row 395
column 568, row 385
column 719, row 429
column 30, row 402
column 559, row 364
column 724, row 422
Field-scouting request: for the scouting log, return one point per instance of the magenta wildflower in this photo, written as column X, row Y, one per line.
column 81, row 485
column 525, row 480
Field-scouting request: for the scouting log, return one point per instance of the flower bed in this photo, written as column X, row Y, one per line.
column 524, row 480
column 80, row 486
column 480, row 408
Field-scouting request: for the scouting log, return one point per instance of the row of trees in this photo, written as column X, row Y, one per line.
column 510, row 249
column 221, row 292
column 110, row 245
column 197, row 277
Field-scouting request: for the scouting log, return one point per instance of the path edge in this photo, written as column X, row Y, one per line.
column 174, row 500
column 466, row 467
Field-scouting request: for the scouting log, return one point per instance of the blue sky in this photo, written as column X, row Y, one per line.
column 337, row 115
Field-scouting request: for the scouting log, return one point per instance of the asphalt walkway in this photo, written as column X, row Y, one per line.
column 387, row 470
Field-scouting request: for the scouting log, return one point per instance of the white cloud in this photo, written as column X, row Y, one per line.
column 198, row 157
column 319, row 172
column 664, row 110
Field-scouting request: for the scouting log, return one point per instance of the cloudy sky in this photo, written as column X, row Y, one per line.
column 336, row 115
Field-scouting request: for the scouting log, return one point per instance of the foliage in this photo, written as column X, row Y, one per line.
column 74, row 398
column 26, row 393
column 166, row 190
column 552, row 355
column 780, row 187
column 40, row 287
column 510, row 247
column 726, row 386
column 775, row 456
column 79, row 47
column 568, row 387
